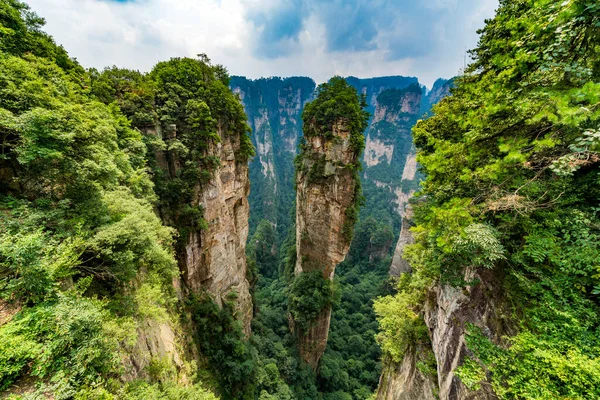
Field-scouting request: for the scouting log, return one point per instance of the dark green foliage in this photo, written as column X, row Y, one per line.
column 310, row 294
column 392, row 98
column 131, row 90
column 263, row 251
column 336, row 101
column 353, row 211
column 513, row 185
column 220, row 338
column 272, row 336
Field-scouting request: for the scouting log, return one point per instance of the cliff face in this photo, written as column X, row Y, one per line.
column 406, row 381
column 448, row 311
column 322, row 202
column 274, row 108
column 441, row 88
column 326, row 190
column 213, row 258
column 389, row 156
column 399, row 264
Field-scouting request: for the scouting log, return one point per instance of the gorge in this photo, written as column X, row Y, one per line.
column 182, row 233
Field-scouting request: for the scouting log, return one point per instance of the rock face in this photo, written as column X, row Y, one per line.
column 326, row 190
column 448, row 312
column 274, row 108
column 214, row 259
column 399, row 264
column 405, row 381
column 158, row 341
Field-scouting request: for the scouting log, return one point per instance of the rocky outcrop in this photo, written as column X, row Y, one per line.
column 399, row 263
column 372, row 87
column 448, row 312
column 213, row 258
column 274, row 108
column 326, row 191
column 408, row 380
column 159, row 342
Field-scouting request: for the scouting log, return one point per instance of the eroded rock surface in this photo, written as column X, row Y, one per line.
column 406, row 381
column 214, row 259
column 326, row 189
column 448, row 312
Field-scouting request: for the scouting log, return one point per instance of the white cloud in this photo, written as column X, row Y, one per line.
column 138, row 34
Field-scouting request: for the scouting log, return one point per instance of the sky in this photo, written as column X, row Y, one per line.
column 261, row 38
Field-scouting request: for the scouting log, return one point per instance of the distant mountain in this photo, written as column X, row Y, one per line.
column 274, row 108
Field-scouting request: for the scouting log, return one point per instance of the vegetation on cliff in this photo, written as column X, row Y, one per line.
column 84, row 260
column 512, row 165
column 336, row 110
column 337, row 102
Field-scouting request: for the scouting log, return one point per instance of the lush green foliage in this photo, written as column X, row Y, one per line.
column 336, row 101
column 84, row 260
column 310, row 294
column 513, row 184
column 221, row 340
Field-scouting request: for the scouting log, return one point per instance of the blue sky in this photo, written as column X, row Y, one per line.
column 317, row 38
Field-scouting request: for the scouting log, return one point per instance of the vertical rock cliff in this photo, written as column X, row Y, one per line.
column 408, row 380
column 448, row 313
column 201, row 148
column 212, row 258
column 215, row 257
column 389, row 157
column 274, row 108
column 328, row 190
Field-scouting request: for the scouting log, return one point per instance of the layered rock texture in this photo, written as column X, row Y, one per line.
column 274, row 108
column 213, row 258
column 399, row 264
column 326, row 190
column 406, row 381
column 448, row 313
